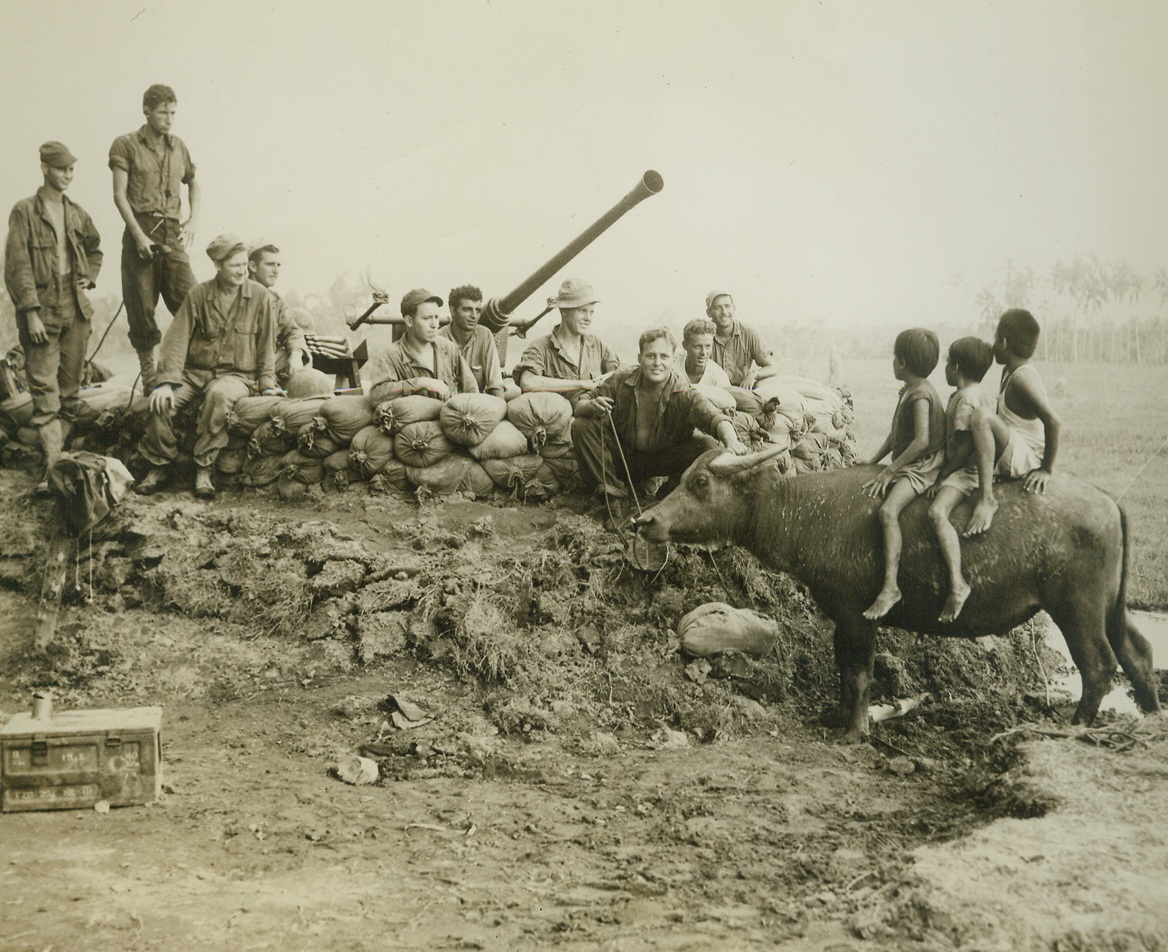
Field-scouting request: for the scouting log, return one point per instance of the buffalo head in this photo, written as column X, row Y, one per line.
column 713, row 502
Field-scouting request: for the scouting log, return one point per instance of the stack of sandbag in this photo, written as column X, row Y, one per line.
column 812, row 420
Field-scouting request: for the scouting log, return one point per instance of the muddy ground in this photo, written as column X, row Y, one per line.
column 576, row 783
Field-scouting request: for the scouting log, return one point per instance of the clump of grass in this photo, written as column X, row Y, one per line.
column 487, row 646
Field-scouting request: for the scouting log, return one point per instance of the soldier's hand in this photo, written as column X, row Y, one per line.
column 603, row 405
column 145, row 248
column 738, row 448
column 36, row 327
column 272, row 392
column 186, row 233
column 162, row 399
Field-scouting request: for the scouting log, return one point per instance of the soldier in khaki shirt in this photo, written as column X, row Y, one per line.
column 475, row 341
column 569, row 360
column 221, row 345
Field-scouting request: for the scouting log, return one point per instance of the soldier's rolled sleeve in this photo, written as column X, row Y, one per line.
column 703, row 414
column 609, row 361
column 534, row 359
column 18, row 276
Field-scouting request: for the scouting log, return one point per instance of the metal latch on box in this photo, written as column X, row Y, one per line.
column 40, row 752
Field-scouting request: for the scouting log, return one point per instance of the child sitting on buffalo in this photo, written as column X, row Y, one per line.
column 1021, row 440
column 916, row 441
column 969, row 359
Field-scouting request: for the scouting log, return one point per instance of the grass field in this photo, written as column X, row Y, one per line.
column 1114, row 434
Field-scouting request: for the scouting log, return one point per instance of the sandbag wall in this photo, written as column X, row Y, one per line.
column 472, row 443
column 810, row 420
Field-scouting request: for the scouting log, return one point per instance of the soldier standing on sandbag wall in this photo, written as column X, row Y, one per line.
column 150, row 167
column 52, row 257
column 221, row 345
column 263, row 266
column 475, row 341
column 569, row 360
column 420, row 361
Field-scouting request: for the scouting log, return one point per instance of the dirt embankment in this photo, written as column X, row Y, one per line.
column 577, row 783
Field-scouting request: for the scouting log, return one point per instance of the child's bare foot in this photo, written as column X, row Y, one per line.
column 955, row 603
column 982, row 518
column 883, row 604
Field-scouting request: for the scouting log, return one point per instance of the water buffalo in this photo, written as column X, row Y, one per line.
column 1065, row 551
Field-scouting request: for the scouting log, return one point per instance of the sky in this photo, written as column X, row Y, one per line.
column 833, row 163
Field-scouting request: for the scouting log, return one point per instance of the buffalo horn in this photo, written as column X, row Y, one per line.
column 728, row 464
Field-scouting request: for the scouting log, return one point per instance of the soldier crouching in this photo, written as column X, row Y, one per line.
column 221, row 346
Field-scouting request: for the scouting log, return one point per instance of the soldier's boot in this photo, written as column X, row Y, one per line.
column 154, row 481
column 51, row 444
column 149, row 375
column 204, row 485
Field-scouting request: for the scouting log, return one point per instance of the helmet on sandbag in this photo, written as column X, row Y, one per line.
column 309, row 383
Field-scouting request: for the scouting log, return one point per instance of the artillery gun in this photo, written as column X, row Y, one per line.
column 497, row 313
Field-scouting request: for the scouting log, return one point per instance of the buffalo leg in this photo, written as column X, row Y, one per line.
column 1083, row 628
column 855, row 655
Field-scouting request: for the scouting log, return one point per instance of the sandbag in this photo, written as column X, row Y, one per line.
column 297, row 473
column 17, row 410
column 750, row 432
column 525, row 477
column 715, row 627
column 93, row 401
column 393, row 414
column 718, row 396
column 456, row 473
column 504, row 441
column 267, row 440
column 291, row 415
column 315, row 442
column 421, row 444
column 336, row 462
column 540, row 416
column 747, row 401
column 247, row 413
column 230, row 462
column 392, row 478
column 370, row 450
column 261, row 470
column 344, row 416
column 468, row 418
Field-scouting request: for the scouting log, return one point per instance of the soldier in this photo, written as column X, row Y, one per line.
column 694, row 362
column 52, row 257
column 656, row 413
column 569, row 360
column 221, row 345
column 150, row 166
column 420, row 361
column 475, row 341
column 263, row 266
column 736, row 346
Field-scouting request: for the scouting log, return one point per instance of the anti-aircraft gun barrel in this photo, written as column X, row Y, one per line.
column 497, row 312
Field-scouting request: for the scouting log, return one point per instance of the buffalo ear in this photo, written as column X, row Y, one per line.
column 728, row 464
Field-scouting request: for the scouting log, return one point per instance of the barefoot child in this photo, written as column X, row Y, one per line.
column 969, row 359
column 916, row 441
column 1021, row 440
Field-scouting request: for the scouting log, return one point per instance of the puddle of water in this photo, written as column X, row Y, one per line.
column 1152, row 625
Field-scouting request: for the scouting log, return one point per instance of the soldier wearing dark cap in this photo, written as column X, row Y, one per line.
column 221, row 345
column 150, row 167
column 421, row 361
column 52, row 257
